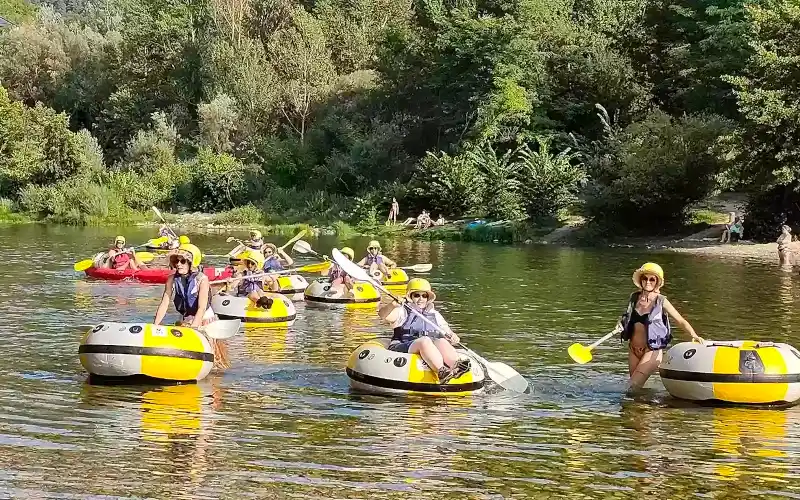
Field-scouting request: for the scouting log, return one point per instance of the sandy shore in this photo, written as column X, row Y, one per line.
column 763, row 252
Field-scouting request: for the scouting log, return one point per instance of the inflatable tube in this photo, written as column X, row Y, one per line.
column 293, row 286
column 363, row 295
column 743, row 372
column 281, row 314
column 398, row 278
column 373, row 368
column 123, row 350
column 154, row 275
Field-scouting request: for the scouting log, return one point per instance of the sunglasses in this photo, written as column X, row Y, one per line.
column 178, row 260
column 373, row 248
column 650, row 279
column 417, row 295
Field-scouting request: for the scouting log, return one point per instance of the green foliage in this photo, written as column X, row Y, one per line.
column 78, row 201
column 218, row 181
column 654, row 170
column 549, row 182
column 448, row 184
column 17, row 11
column 244, row 215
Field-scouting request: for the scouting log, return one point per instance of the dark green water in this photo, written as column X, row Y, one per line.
column 282, row 422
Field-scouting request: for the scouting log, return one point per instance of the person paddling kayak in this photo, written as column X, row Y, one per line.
column 121, row 258
column 189, row 290
column 256, row 241
column 341, row 282
column 274, row 260
column 375, row 261
column 415, row 336
column 645, row 324
column 252, row 288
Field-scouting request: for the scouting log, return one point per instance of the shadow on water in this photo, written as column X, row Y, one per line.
column 284, row 423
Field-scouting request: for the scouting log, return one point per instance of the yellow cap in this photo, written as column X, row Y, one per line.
column 119, row 238
column 183, row 239
column 255, row 257
column 374, row 244
column 349, row 252
column 648, row 268
column 255, row 235
column 420, row 285
column 189, row 251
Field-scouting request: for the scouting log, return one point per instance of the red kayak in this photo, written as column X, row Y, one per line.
column 159, row 275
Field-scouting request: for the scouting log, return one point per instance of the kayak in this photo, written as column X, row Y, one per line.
column 134, row 350
column 375, row 369
column 362, row 296
column 293, row 286
column 280, row 315
column 398, row 278
column 741, row 372
column 155, row 275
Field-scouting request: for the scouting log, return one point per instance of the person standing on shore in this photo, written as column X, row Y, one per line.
column 784, row 247
column 393, row 212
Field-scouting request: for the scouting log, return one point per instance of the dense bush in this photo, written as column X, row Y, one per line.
column 218, row 182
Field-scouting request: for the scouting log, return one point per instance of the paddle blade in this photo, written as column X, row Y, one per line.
column 221, row 329
column 145, row 256
column 348, row 266
column 83, row 265
column 314, row 268
column 421, row 268
column 301, row 246
column 229, row 239
column 294, row 238
column 580, row 353
column 158, row 213
column 506, row 377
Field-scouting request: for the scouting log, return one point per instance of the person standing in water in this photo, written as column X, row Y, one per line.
column 785, row 247
column 393, row 212
column 645, row 325
column 190, row 291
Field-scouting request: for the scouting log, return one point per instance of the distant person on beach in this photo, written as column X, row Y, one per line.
column 440, row 221
column 784, row 247
column 393, row 212
column 733, row 232
column 424, row 220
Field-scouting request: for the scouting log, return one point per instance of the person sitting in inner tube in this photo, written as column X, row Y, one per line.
column 252, row 288
column 341, row 282
column 170, row 241
column 189, row 290
column 645, row 324
column 256, row 241
column 121, row 258
column 415, row 336
column 376, row 262
column 274, row 260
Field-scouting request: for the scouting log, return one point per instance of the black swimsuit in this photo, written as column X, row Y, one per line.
column 637, row 318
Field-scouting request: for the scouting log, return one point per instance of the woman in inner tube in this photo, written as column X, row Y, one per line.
column 645, row 325
column 341, row 282
column 274, row 260
column 415, row 336
column 190, row 291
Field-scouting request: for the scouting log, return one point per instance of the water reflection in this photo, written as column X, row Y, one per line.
column 282, row 423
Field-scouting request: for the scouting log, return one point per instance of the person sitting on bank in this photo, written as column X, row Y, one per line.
column 733, row 232
column 440, row 221
column 414, row 335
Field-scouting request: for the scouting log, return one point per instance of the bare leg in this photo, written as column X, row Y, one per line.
column 385, row 270
column 647, row 366
column 427, row 350
column 448, row 352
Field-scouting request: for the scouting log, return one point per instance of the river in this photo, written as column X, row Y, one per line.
column 282, row 422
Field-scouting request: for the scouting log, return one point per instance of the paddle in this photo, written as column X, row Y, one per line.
column 500, row 373
column 418, row 268
column 295, row 238
column 221, row 329
column 583, row 354
column 87, row 263
column 158, row 213
column 310, row 268
column 302, row 246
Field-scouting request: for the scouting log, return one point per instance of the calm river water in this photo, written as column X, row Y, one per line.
column 282, row 422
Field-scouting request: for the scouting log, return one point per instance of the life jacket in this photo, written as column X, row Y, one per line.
column 248, row 285
column 374, row 259
column 659, row 333
column 120, row 260
column 415, row 327
column 185, row 294
column 273, row 264
column 255, row 244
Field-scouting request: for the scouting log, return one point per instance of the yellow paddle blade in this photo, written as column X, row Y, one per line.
column 580, row 353
column 145, row 256
column 315, row 268
column 83, row 265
